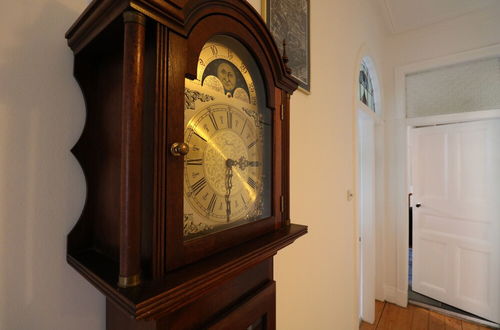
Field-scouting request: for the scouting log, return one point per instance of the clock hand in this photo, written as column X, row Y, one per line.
column 244, row 163
column 229, row 184
column 231, row 163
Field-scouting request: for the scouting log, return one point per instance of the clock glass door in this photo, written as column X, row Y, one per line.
column 228, row 128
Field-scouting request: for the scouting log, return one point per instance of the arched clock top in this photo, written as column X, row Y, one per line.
column 184, row 17
column 239, row 20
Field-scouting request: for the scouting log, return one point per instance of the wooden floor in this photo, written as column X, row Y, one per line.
column 391, row 317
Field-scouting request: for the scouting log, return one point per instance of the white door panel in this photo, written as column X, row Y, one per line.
column 456, row 230
column 366, row 188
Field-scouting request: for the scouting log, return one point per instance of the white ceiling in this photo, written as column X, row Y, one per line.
column 404, row 15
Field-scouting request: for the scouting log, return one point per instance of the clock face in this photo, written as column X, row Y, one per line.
column 227, row 172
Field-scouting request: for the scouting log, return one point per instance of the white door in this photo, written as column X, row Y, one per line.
column 366, row 207
column 456, row 205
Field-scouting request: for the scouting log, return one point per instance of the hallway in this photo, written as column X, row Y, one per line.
column 391, row 317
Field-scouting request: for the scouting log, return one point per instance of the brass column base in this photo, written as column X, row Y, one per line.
column 129, row 281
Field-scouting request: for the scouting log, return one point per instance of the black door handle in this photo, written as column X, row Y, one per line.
column 418, row 205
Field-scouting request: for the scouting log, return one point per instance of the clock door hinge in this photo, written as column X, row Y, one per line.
column 282, row 204
column 282, row 112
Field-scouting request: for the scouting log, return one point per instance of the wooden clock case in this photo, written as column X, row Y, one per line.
column 131, row 61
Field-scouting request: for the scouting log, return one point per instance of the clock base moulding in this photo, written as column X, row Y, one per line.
column 239, row 272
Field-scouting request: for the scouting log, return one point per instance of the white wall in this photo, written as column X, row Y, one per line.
column 317, row 276
column 42, row 188
column 465, row 33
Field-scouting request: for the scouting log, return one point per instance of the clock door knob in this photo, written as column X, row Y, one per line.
column 179, row 149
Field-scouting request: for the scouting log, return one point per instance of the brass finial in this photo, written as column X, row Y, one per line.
column 285, row 58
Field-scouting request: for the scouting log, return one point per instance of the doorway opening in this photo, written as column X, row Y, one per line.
column 440, row 91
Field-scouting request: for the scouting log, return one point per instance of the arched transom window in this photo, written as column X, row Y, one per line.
column 366, row 94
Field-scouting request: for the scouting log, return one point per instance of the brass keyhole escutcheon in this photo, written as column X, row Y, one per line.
column 179, row 149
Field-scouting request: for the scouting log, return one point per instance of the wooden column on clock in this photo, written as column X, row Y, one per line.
column 132, row 59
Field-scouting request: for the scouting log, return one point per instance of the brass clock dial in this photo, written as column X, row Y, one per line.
column 223, row 171
column 227, row 170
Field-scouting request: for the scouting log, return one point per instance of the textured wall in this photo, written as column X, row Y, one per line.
column 463, row 87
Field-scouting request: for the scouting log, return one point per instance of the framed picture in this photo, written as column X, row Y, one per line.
column 289, row 20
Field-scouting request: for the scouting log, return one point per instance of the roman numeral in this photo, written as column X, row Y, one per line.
column 198, row 186
column 229, row 119
column 214, row 122
column 214, row 50
column 195, row 161
column 244, row 125
column 201, row 137
column 243, row 199
column 252, row 144
column 211, row 205
column 252, row 183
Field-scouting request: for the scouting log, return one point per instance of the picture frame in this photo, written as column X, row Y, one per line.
column 289, row 20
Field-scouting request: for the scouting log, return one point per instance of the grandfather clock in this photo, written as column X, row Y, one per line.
column 185, row 151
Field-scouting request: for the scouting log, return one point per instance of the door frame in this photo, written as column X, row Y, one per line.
column 399, row 181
